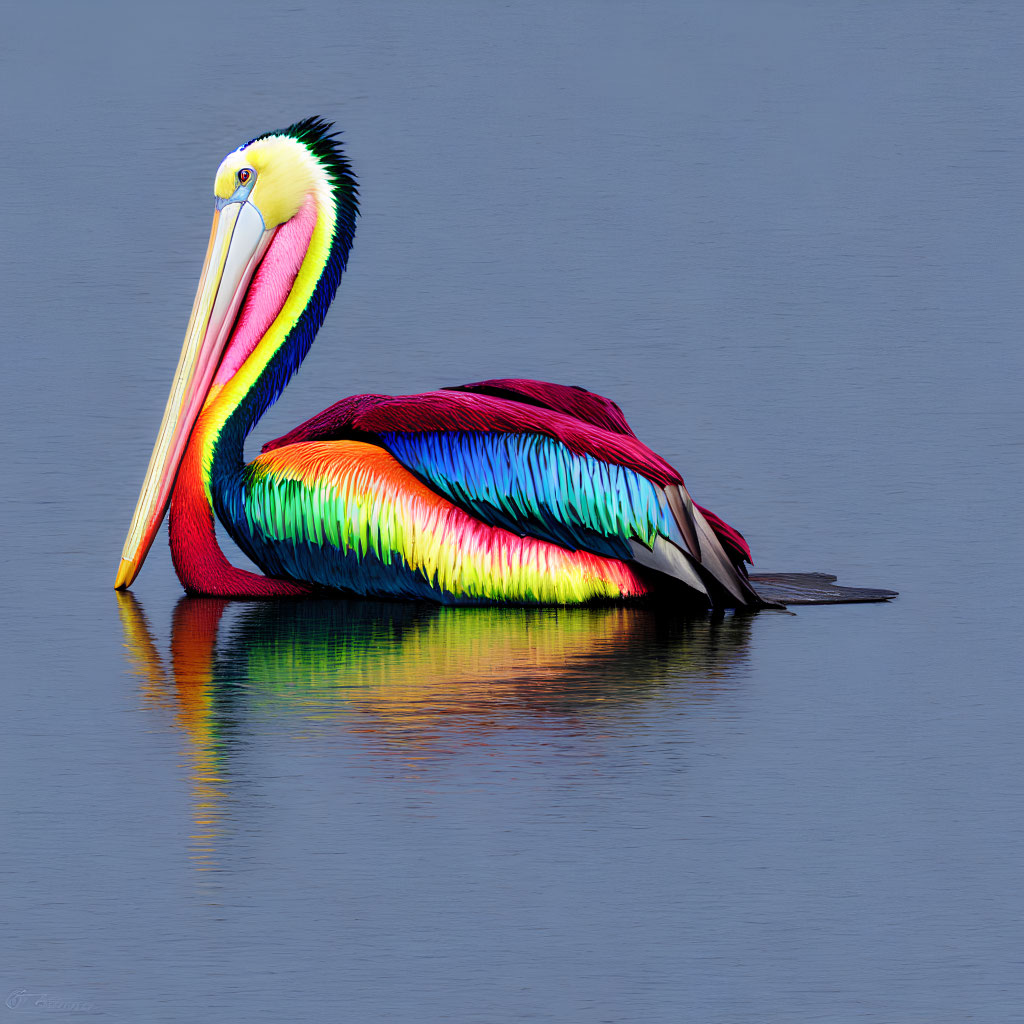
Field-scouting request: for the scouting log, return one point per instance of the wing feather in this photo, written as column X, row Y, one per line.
column 536, row 486
column 544, row 461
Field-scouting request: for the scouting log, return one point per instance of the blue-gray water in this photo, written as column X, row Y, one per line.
column 786, row 238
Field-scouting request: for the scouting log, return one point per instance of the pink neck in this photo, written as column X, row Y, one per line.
column 271, row 285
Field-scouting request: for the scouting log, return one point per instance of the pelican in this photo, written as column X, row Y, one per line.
column 500, row 492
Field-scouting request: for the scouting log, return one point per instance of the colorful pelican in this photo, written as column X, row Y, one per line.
column 505, row 491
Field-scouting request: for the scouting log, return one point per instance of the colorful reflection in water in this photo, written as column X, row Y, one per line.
column 410, row 683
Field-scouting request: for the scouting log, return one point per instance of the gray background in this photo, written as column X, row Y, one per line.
column 785, row 237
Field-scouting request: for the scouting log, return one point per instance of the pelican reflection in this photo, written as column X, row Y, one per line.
column 413, row 681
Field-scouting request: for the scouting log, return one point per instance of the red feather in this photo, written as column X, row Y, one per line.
column 585, row 422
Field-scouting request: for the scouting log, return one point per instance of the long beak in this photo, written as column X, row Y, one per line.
column 238, row 241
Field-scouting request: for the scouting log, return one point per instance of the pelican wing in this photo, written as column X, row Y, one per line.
column 557, row 464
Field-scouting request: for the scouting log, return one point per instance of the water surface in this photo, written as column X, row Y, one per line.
column 785, row 237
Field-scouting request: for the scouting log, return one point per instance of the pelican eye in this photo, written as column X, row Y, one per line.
column 244, row 176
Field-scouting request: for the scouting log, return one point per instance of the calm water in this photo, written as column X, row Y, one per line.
column 786, row 237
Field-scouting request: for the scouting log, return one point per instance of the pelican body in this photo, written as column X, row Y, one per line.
column 504, row 491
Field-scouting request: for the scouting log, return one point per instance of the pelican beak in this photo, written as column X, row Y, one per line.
column 238, row 241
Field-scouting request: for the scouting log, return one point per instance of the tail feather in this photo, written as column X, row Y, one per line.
column 666, row 557
column 717, row 562
column 811, row 588
column 693, row 553
column 681, row 505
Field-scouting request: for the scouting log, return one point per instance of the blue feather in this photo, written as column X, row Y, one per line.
column 534, row 485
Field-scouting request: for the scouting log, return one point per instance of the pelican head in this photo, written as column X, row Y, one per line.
column 274, row 175
column 260, row 188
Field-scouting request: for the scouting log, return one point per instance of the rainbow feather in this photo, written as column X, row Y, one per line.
column 347, row 515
